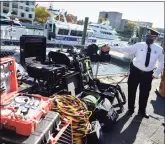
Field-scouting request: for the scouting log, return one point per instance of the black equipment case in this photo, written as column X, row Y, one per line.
column 47, row 74
column 32, row 46
column 43, row 70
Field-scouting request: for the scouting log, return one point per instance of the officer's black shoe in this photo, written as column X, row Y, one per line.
column 129, row 113
column 143, row 114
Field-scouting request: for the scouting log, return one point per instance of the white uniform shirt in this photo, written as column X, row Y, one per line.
column 140, row 52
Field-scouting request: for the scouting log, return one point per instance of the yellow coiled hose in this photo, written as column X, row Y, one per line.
column 74, row 109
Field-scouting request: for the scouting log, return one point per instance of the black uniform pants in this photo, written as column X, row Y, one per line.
column 137, row 77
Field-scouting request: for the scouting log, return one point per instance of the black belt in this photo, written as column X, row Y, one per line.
column 141, row 71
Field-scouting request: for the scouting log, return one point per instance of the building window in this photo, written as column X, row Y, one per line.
column 14, row 5
column 79, row 33
column 106, row 16
column 14, row 12
column 22, row 15
column 27, row 3
column 32, row 3
column 27, row 9
column 5, row 11
column 6, row 4
column 103, row 28
column 30, row 15
column 32, row 9
column 21, row 7
column 73, row 33
column 76, row 33
column 63, row 32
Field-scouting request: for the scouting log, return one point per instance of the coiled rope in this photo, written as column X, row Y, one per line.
column 74, row 109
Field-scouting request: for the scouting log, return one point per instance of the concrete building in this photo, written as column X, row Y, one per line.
column 123, row 24
column 113, row 17
column 23, row 10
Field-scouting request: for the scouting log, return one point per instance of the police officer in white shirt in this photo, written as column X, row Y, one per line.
column 147, row 64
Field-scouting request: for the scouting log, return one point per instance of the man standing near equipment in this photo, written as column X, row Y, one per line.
column 142, row 70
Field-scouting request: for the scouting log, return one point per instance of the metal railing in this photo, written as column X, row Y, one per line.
column 114, row 67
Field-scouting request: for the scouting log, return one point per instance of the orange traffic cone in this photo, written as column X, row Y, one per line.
column 162, row 86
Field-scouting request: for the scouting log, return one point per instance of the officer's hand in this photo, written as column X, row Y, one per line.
column 106, row 48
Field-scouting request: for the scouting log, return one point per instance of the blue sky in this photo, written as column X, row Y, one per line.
column 142, row 11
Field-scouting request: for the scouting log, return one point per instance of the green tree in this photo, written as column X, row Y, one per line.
column 155, row 29
column 101, row 20
column 129, row 28
column 41, row 14
column 131, row 25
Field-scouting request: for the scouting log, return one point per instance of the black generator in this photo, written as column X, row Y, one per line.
column 33, row 58
column 74, row 61
column 50, row 75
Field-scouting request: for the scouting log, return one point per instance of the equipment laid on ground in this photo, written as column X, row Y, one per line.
column 72, row 108
column 47, row 75
column 91, row 101
column 19, row 112
column 101, row 107
column 76, row 62
column 105, row 114
column 21, row 73
column 64, row 134
column 72, row 71
column 44, row 72
column 33, row 58
column 71, row 81
column 63, row 58
column 32, row 46
column 26, row 86
column 82, row 64
column 111, row 92
column 51, row 130
column 95, row 136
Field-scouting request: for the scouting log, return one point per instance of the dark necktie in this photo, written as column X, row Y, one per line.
column 148, row 56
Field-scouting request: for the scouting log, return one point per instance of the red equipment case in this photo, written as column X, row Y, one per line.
column 19, row 111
